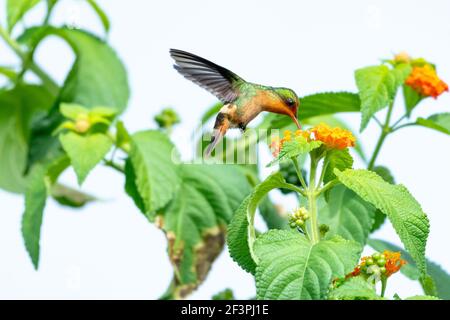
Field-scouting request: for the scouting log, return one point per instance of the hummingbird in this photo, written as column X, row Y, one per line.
column 242, row 100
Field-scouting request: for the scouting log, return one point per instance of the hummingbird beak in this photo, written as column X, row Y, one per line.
column 294, row 118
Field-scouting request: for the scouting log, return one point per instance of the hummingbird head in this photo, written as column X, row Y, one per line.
column 290, row 103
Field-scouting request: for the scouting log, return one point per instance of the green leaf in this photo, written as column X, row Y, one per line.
column 18, row 108
column 315, row 105
column 292, row 149
column 404, row 212
column 101, row 14
column 377, row 86
column 439, row 122
column 131, row 188
column 70, row 197
column 411, row 97
column 35, row 199
column 8, row 73
column 16, row 9
column 97, row 78
column 386, row 174
column 241, row 232
column 195, row 220
column 354, row 288
column 440, row 277
column 154, row 160
column 339, row 159
column 291, row 267
column 41, row 179
column 85, row 152
column 347, row 215
column 226, row 294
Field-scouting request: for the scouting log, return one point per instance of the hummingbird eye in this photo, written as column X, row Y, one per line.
column 290, row 102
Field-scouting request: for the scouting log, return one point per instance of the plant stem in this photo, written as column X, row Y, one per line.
column 48, row 82
column 384, row 133
column 115, row 166
column 383, row 285
column 312, row 202
column 299, row 172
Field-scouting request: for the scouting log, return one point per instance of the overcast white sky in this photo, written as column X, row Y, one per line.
column 108, row 249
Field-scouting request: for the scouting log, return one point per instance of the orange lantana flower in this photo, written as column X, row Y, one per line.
column 393, row 262
column 426, row 82
column 334, row 138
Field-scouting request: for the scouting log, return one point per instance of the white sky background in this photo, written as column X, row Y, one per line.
column 108, row 249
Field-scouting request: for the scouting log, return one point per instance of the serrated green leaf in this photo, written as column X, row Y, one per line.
column 292, row 149
column 440, row 277
column 315, row 105
column 155, row 163
column 40, row 182
column 354, row 288
column 16, row 9
column 404, row 212
column 101, row 14
column 347, row 215
column 439, row 122
column 377, row 87
column 337, row 159
column 195, row 220
column 85, row 152
column 386, row 174
column 18, row 108
column 291, row 267
column 131, row 188
column 241, row 233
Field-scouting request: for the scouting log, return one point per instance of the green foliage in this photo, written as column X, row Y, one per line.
column 377, row 86
column 291, row 267
column 439, row 122
column 354, row 288
column 404, row 212
column 386, row 174
column 422, row 298
column 241, row 233
column 347, row 215
column 226, row 294
column 18, row 108
column 337, row 159
column 16, row 9
column 101, row 14
column 411, row 97
column 85, row 152
column 196, row 218
column 167, row 118
column 440, row 278
column 156, row 175
column 296, row 147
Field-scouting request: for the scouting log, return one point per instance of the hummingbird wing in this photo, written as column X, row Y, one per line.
column 221, row 82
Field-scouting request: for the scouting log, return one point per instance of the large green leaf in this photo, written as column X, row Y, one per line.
column 195, row 220
column 155, row 164
column 291, row 267
column 316, row 105
column 97, row 78
column 241, row 232
column 386, row 174
column 16, row 9
column 18, row 108
column 404, row 212
column 85, row 152
column 440, row 277
column 377, row 86
column 347, row 215
column 41, row 180
column 354, row 288
column 439, row 122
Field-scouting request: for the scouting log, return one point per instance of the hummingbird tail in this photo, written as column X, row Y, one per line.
column 220, row 128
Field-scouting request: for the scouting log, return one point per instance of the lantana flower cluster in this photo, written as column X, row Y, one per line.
column 425, row 81
column 333, row 138
column 386, row 264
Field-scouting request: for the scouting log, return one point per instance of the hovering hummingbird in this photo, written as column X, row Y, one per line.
column 243, row 100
